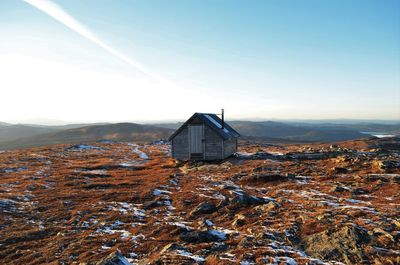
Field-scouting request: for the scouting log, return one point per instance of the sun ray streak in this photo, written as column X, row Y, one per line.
column 59, row 14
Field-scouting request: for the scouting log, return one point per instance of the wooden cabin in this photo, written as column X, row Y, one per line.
column 204, row 136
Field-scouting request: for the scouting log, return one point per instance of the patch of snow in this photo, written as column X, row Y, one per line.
column 136, row 150
column 205, row 196
column 209, row 223
column 276, row 153
column 139, row 213
column 173, row 181
column 246, row 262
column 96, row 172
column 124, row 260
column 136, row 224
column 237, row 192
column 125, row 234
column 128, row 208
column 244, row 154
column 356, row 201
column 190, row 255
column 363, row 208
column 117, row 223
column 140, row 236
column 220, row 234
column 289, row 261
column 227, row 256
column 302, row 182
column 133, row 258
column 81, row 147
column 219, row 196
column 329, row 203
column 157, row 192
column 126, row 164
column 11, row 206
column 12, row 170
column 387, row 251
column 181, row 225
column 85, row 224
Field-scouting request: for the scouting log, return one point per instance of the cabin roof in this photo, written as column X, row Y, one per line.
column 214, row 122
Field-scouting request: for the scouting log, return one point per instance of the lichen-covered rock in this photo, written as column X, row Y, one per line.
column 115, row 258
column 344, row 244
column 239, row 220
column 245, row 200
column 204, row 208
column 202, row 236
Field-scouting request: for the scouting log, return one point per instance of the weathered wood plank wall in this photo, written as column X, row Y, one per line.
column 213, row 144
column 230, row 147
column 180, row 145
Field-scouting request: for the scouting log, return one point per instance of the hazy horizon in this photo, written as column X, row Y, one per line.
column 91, row 61
column 47, row 122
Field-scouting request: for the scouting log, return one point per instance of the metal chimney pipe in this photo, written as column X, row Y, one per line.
column 222, row 114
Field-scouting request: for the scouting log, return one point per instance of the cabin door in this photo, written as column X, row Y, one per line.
column 196, row 141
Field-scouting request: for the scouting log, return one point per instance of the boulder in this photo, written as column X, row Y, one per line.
column 388, row 165
column 380, row 232
column 204, row 208
column 202, row 236
column 358, row 191
column 245, row 200
column 8, row 206
column 338, row 189
column 248, row 242
column 264, row 178
column 269, row 207
column 148, row 205
column 239, row 220
column 208, row 223
column 217, row 247
column 340, row 170
column 32, row 187
column 343, row 244
column 172, row 247
column 115, row 258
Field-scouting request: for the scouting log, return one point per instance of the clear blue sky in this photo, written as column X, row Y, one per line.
column 266, row 59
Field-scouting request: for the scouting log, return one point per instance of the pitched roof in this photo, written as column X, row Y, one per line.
column 214, row 122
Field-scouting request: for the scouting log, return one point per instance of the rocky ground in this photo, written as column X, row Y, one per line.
column 272, row 204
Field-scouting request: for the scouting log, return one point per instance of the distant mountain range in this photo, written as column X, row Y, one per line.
column 302, row 131
column 14, row 136
column 311, row 132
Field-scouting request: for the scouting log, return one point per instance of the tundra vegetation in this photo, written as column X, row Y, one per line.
column 271, row 204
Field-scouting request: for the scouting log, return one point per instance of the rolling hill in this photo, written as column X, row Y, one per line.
column 10, row 132
column 286, row 131
column 115, row 132
column 291, row 132
column 22, row 136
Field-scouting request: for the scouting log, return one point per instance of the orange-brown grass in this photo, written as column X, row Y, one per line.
column 67, row 199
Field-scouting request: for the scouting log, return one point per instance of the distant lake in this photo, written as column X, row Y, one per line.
column 380, row 134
